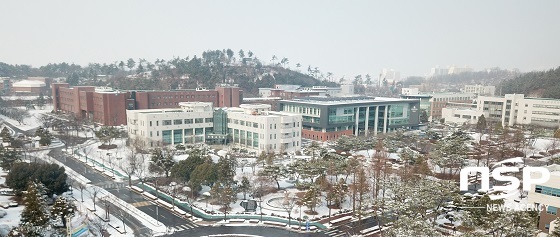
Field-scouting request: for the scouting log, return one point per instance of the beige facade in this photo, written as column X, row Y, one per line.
column 256, row 128
column 547, row 194
column 186, row 125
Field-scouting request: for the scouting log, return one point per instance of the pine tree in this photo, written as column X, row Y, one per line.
column 5, row 135
column 556, row 231
column 8, row 157
column 35, row 212
column 61, row 209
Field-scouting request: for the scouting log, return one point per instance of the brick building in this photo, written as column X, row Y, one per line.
column 108, row 107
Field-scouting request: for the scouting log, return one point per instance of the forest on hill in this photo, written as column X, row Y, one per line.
column 544, row 84
column 211, row 68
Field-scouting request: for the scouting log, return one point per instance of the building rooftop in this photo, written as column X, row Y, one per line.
column 28, row 83
column 344, row 100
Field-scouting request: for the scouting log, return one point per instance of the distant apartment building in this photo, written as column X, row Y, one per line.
column 547, row 194
column 328, row 118
column 96, row 104
column 436, row 72
column 458, row 70
column 390, row 75
column 433, row 103
column 252, row 126
column 480, row 90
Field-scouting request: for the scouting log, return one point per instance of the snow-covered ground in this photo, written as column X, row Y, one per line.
column 30, row 122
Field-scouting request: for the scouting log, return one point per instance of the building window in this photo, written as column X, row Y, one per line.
column 150, row 123
column 552, row 210
column 157, row 123
column 150, row 133
column 547, row 226
column 166, row 122
column 188, row 121
column 547, row 190
column 166, row 136
column 178, row 136
column 208, row 120
column 177, row 121
column 198, row 120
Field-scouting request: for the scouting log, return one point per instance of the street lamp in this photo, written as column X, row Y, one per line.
column 173, row 184
column 157, row 205
column 109, row 155
column 98, row 155
column 85, row 154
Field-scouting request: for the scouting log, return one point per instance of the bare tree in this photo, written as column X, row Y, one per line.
column 129, row 166
column 288, row 204
column 99, row 225
column 81, row 187
column 93, row 193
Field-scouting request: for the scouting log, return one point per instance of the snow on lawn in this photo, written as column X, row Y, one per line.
column 30, row 122
column 13, row 214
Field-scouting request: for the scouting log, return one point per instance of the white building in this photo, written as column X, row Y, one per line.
column 346, row 89
column 480, row 90
column 457, row 70
column 409, row 91
column 516, row 109
column 436, row 71
column 390, row 75
column 548, row 194
column 255, row 127
column 186, row 125
column 460, row 115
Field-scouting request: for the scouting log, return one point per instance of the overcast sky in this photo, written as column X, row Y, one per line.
column 343, row 37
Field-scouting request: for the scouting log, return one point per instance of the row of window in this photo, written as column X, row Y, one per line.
column 181, row 121
column 547, row 190
column 186, row 96
column 546, row 106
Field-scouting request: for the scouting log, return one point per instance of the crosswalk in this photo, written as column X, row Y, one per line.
column 186, row 226
column 113, row 185
column 336, row 233
column 141, row 204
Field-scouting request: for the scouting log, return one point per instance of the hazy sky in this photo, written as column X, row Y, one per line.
column 343, row 37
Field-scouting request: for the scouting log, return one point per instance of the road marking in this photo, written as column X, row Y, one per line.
column 141, row 204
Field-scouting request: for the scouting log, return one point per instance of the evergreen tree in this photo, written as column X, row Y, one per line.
column 162, row 161
column 245, row 186
column 35, row 212
column 5, row 135
column 9, row 157
column 481, row 123
column 556, row 231
column 61, row 209
column 41, row 100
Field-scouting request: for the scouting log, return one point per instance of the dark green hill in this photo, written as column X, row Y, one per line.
column 214, row 67
column 545, row 84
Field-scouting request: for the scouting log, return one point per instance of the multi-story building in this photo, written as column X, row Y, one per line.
column 517, row 109
column 460, row 113
column 480, row 90
column 433, row 103
column 255, row 127
column 108, row 107
column 288, row 92
column 509, row 110
column 327, row 118
column 252, row 126
column 186, row 125
column 548, row 195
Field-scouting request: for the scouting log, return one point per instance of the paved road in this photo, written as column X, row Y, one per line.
column 250, row 230
column 181, row 226
column 352, row 228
